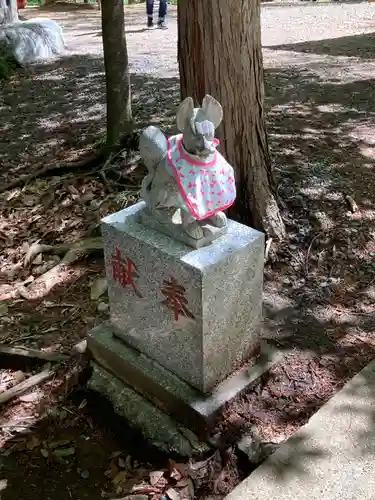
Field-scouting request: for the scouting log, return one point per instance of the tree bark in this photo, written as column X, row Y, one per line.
column 8, row 11
column 220, row 53
column 119, row 117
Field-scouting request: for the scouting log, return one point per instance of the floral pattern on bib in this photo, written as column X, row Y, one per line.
column 206, row 187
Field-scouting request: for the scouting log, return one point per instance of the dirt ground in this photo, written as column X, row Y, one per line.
column 319, row 294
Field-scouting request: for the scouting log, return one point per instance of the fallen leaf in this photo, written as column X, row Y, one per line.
column 59, row 444
column 175, row 474
column 33, row 443
column 38, row 260
column 187, row 493
column 115, row 454
column 183, row 483
column 18, row 377
column 3, row 308
column 121, row 463
column 145, row 488
column 25, row 247
column 12, row 194
column 119, row 478
column 63, row 414
column 99, row 287
column 198, row 466
column 155, row 476
column 64, row 452
column 113, row 469
column 31, row 397
column 172, row 494
column 129, row 463
column 44, row 453
column 73, row 189
column 190, row 436
column 83, row 404
column 191, row 487
column 182, row 468
column 29, row 200
column 31, row 252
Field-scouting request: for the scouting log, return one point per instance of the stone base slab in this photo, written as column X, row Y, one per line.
column 164, row 389
column 156, row 427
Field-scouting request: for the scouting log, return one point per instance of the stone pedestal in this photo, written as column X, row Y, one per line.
column 158, row 386
column 196, row 312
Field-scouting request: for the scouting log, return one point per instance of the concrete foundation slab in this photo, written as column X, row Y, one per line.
column 332, row 457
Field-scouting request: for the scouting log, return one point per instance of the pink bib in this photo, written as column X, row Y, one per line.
column 206, row 187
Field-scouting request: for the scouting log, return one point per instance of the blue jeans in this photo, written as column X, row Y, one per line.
column 163, row 6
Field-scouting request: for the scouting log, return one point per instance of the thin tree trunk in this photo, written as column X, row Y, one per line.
column 119, row 117
column 220, row 54
column 8, row 11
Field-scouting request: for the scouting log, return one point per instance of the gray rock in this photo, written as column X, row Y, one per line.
column 255, row 449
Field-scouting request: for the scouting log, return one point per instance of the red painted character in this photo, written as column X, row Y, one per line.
column 124, row 271
column 175, row 299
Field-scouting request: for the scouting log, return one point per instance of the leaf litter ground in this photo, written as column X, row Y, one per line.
column 319, row 292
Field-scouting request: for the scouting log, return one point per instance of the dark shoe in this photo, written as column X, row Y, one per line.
column 162, row 25
column 150, row 23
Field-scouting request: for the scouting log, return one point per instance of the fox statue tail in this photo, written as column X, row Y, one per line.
column 153, row 149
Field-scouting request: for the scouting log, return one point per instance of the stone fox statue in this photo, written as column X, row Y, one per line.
column 185, row 172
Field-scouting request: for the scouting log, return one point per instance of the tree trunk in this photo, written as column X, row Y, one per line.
column 8, row 11
column 119, row 117
column 220, row 53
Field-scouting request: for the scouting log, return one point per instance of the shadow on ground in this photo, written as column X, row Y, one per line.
column 54, row 111
column 347, row 46
column 320, row 295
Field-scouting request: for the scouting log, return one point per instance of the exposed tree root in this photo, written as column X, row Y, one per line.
column 71, row 252
column 77, row 353
column 44, row 283
column 87, row 162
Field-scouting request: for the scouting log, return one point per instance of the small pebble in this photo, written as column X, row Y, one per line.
column 103, row 307
column 85, row 474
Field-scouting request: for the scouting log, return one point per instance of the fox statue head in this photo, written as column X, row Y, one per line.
column 198, row 125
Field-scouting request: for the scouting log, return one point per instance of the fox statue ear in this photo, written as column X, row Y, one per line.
column 184, row 113
column 213, row 110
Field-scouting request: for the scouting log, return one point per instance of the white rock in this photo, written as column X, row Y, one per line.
column 32, row 40
column 98, row 288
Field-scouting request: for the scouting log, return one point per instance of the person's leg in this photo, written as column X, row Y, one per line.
column 163, row 7
column 150, row 12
